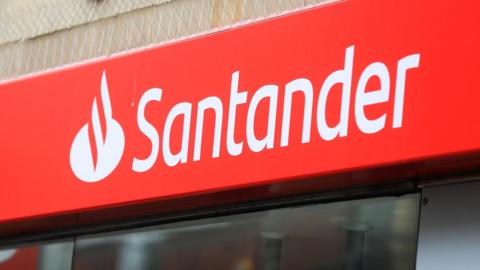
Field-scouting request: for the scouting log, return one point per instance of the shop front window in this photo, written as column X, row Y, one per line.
column 374, row 234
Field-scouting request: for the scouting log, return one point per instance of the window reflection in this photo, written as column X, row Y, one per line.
column 25, row 258
column 51, row 256
column 377, row 233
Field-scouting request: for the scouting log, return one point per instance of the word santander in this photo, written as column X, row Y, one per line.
column 362, row 99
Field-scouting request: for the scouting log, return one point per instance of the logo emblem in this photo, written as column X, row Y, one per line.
column 93, row 159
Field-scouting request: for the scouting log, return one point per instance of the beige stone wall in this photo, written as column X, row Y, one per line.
column 38, row 35
column 31, row 18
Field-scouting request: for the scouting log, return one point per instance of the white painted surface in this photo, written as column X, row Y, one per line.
column 449, row 236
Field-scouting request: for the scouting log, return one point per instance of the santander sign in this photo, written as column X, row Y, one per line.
column 332, row 94
column 109, row 145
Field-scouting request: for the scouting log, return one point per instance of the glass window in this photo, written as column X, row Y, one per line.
column 48, row 256
column 374, row 234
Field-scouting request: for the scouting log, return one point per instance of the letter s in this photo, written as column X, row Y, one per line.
column 142, row 165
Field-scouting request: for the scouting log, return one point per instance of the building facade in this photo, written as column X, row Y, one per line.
column 239, row 134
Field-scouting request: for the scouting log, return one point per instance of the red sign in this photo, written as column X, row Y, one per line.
column 350, row 85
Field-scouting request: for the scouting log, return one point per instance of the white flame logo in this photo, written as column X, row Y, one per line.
column 108, row 145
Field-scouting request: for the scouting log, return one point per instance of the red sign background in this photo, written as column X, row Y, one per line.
column 41, row 115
